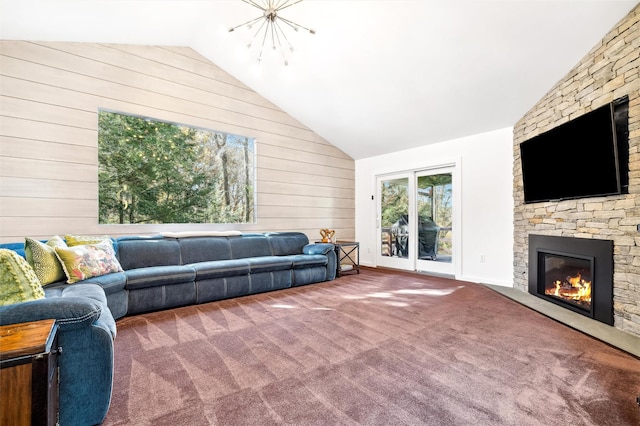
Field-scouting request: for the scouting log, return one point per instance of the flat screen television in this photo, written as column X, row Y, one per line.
column 585, row 157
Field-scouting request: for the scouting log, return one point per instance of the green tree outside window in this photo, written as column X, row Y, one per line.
column 151, row 171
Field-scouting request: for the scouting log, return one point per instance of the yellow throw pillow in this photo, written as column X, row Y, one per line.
column 18, row 282
column 89, row 260
column 77, row 240
column 43, row 259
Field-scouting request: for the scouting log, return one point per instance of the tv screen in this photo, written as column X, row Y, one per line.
column 580, row 158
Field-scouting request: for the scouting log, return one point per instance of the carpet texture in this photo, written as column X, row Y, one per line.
column 379, row 348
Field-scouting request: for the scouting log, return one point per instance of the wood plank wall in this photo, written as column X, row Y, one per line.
column 50, row 94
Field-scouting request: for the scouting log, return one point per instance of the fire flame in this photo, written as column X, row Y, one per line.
column 573, row 288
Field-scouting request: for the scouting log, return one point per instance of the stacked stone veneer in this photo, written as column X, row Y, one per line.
column 609, row 71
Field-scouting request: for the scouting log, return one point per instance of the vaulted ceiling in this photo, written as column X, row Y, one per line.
column 379, row 75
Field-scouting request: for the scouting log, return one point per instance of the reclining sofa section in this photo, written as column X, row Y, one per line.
column 161, row 273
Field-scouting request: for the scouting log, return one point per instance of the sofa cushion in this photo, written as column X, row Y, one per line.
column 304, row 276
column 18, row 282
column 90, row 291
column 118, row 303
column 86, row 261
column 269, row 263
column 307, row 260
column 110, row 283
column 161, row 297
column 204, row 249
column 42, row 258
column 221, row 268
column 249, row 246
column 285, row 243
column 141, row 253
column 154, row 276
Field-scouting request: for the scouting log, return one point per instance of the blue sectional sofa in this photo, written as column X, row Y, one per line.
column 160, row 272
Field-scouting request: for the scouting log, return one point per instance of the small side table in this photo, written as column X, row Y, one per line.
column 348, row 256
column 29, row 373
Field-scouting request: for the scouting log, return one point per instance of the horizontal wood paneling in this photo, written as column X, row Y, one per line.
column 308, row 146
column 192, row 62
column 271, row 212
column 196, row 72
column 197, row 58
column 46, row 169
column 42, row 150
column 289, row 153
column 118, row 78
column 42, row 131
column 302, row 201
column 45, row 93
column 292, row 165
column 43, row 228
column 50, row 94
column 191, row 85
column 274, row 175
column 287, row 188
column 38, row 111
column 51, row 207
column 47, row 188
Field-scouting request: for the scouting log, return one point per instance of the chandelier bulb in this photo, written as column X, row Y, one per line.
column 312, row 31
column 231, row 29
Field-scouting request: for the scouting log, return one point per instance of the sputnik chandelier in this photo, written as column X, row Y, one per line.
column 272, row 26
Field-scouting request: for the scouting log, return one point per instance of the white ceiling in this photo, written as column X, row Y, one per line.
column 380, row 75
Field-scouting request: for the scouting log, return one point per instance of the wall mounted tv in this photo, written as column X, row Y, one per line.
column 585, row 157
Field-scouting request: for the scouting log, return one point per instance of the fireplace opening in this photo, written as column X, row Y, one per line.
column 575, row 273
column 568, row 279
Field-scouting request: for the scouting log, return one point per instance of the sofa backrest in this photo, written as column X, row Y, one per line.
column 249, row 245
column 202, row 249
column 17, row 247
column 142, row 253
column 286, row 243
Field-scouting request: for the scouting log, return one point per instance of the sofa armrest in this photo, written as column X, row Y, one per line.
column 70, row 312
column 86, row 333
column 318, row 248
column 328, row 250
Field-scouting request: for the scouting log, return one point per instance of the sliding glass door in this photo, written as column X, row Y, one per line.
column 394, row 226
column 434, row 203
column 415, row 221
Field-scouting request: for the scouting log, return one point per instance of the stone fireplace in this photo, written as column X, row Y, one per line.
column 609, row 71
column 575, row 273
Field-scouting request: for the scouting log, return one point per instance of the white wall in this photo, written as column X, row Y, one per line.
column 485, row 168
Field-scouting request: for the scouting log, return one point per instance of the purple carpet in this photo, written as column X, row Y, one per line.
column 379, row 348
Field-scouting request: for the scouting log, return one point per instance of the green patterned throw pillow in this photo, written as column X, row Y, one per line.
column 43, row 259
column 18, row 282
column 77, row 240
column 89, row 260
